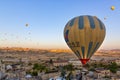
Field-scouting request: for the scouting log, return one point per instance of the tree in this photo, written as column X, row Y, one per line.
column 39, row 67
column 69, row 67
column 34, row 73
column 87, row 65
column 51, row 61
column 63, row 73
column 29, row 64
column 113, row 67
column 92, row 69
column 70, row 76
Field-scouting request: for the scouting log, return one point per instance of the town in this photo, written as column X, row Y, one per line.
column 38, row 64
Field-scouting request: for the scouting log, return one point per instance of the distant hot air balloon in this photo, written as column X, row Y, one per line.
column 84, row 35
column 105, row 18
column 112, row 7
column 29, row 33
column 26, row 25
column 5, row 33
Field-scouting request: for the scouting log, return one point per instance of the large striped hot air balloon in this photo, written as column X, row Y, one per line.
column 84, row 35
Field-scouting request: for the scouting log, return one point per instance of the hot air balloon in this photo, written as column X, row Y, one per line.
column 112, row 7
column 29, row 33
column 26, row 25
column 105, row 18
column 84, row 35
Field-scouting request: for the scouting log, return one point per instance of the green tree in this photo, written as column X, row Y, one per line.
column 34, row 73
column 69, row 76
column 39, row 67
column 91, row 69
column 87, row 65
column 69, row 67
column 113, row 67
column 63, row 73
column 29, row 64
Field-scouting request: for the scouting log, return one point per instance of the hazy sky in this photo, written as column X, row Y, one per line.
column 47, row 18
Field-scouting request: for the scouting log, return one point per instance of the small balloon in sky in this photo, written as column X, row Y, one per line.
column 5, row 34
column 112, row 7
column 29, row 33
column 26, row 25
column 105, row 18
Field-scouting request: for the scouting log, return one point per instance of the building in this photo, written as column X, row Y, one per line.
column 118, row 73
column 115, row 78
column 117, row 61
column 101, row 73
column 76, row 63
column 2, row 66
column 60, row 63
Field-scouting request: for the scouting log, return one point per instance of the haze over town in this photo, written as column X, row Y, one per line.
column 32, row 45
column 46, row 21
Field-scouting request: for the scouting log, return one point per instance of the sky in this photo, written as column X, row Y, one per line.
column 46, row 20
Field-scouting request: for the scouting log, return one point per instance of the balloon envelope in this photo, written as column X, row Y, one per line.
column 84, row 35
column 105, row 18
column 112, row 7
column 26, row 25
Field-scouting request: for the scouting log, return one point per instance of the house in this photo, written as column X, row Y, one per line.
column 60, row 63
column 76, row 63
column 117, row 61
column 101, row 73
column 2, row 66
column 118, row 73
column 115, row 78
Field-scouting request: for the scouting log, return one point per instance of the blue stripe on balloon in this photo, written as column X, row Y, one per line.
column 89, row 48
column 78, row 53
column 72, row 22
column 100, row 23
column 66, row 36
column 66, row 24
column 96, row 47
column 81, row 22
column 83, row 51
column 104, row 27
column 91, row 20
